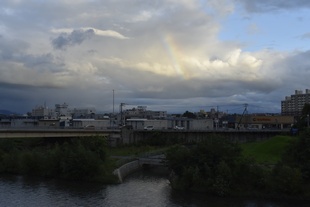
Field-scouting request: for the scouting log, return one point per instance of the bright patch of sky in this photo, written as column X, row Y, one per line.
column 283, row 30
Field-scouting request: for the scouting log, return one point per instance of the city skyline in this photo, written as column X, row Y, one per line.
column 167, row 55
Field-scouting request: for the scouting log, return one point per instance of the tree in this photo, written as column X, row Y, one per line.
column 297, row 156
column 303, row 119
column 306, row 109
column 207, row 167
column 189, row 115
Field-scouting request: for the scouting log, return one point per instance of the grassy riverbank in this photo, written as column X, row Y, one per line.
column 268, row 151
column 275, row 167
column 83, row 159
column 278, row 167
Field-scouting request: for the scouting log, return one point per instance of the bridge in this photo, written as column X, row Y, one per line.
column 153, row 160
column 54, row 133
column 188, row 136
column 128, row 136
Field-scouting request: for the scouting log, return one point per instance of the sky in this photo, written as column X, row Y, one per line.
column 170, row 55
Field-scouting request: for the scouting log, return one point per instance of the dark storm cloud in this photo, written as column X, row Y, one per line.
column 270, row 5
column 297, row 69
column 12, row 86
column 76, row 37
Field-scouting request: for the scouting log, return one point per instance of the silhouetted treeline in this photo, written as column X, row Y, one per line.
column 217, row 167
column 73, row 159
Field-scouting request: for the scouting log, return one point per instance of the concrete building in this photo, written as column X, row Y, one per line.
column 140, row 124
column 24, row 123
column 172, row 123
column 83, row 113
column 42, row 112
column 156, row 114
column 91, row 124
column 293, row 105
column 141, row 113
column 62, row 110
column 190, row 124
column 48, row 123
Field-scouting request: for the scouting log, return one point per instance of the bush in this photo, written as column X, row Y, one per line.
column 222, row 180
column 79, row 163
column 286, row 180
column 30, row 163
column 75, row 159
column 297, row 156
column 207, row 167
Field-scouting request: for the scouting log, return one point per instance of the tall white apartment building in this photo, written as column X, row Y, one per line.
column 293, row 105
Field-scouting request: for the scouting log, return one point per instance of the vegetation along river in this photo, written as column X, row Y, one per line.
column 143, row 188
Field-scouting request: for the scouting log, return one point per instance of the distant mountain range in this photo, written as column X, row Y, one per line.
column 6, row 112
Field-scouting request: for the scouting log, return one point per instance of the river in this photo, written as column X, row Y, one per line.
column 142, row 189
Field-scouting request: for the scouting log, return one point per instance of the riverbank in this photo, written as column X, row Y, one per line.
column 82, row 159
column 221, row 168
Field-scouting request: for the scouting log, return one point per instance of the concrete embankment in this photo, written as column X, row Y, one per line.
column 127, row 169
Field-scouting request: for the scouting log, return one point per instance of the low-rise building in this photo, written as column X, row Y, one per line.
column 140, row 124
column 264, row 122
column 91, row 124
column 172, row 123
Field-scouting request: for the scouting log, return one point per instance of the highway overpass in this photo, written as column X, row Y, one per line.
column 55, row 133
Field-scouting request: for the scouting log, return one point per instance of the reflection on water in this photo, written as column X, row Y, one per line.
column 144, row 188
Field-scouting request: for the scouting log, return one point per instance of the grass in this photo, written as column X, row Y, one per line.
column 269, row 151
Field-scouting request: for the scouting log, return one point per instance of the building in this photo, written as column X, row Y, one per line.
column 172, row 123
column 84, row 113
column 140, row 124
column 91, row 124
column 142, row 113
column 264, row 122
column 42, row 112
column 62, row 110
column 293, row 105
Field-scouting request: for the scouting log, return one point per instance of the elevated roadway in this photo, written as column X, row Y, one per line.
column 54, row 133
column 134, row 136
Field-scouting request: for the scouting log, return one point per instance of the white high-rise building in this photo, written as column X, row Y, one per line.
column 293, row 105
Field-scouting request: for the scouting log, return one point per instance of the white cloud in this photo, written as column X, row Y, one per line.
column 149, row 51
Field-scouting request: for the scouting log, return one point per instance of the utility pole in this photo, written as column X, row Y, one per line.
column 245, row 111
column 112, row 118
column 113, row 102
column 217, row 118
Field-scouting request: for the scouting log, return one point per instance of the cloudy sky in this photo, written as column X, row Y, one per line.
column 172, row 55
